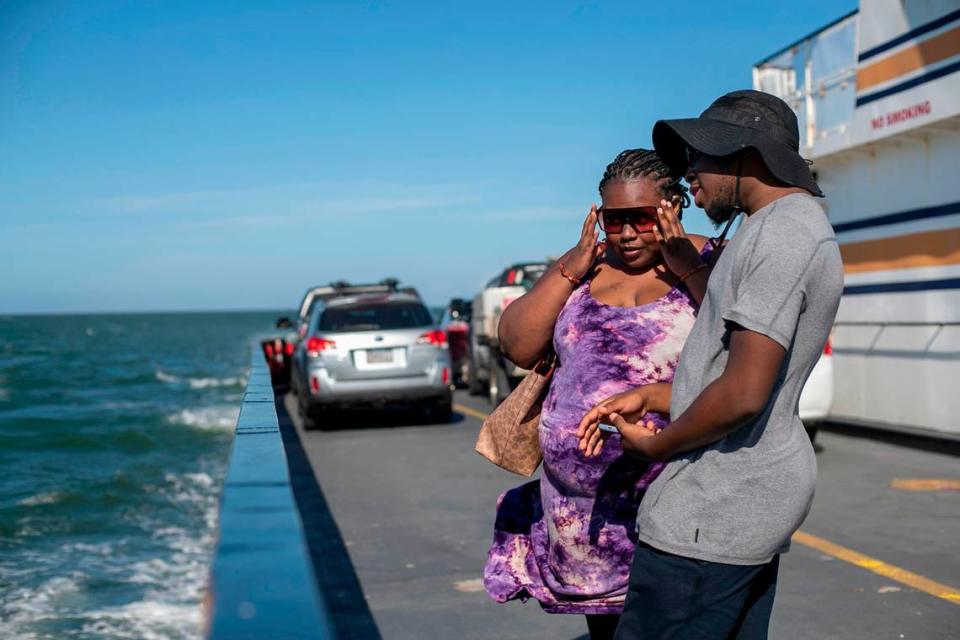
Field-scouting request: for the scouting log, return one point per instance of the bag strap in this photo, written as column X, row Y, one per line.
column 718, row 242
column 548, row 363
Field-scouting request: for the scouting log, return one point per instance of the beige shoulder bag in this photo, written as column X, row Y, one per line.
column 509, row 437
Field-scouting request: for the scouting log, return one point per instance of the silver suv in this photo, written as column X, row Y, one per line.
column 371, row 349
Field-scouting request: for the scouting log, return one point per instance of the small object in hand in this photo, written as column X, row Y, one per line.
column 609, row 428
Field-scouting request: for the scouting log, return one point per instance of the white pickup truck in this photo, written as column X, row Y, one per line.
column 488, row 371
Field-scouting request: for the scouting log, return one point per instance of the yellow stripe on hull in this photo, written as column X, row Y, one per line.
column 913, row 58
column 925, row 249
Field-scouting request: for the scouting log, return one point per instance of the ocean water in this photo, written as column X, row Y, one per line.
column 114, row 436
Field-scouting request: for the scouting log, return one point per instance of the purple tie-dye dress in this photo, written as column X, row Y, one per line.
column 567, row 539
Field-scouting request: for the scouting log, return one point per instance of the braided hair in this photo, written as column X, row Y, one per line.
column 634, row 164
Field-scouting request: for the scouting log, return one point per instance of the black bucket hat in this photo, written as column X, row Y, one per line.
column 737, row 121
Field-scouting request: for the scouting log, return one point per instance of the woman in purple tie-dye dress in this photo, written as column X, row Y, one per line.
column 567, row 539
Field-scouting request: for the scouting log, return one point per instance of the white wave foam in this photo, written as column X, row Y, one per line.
column 104, row 549
column 163, row 376
column 174, row 584
column 200, row 383
column 211, row 418
column 169, row 587
column 203, row 383
column 21, row 607
column 173, row 611
column 195, row 488
column 146, row 620
column 48, row 497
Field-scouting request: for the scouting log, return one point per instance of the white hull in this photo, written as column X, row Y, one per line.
column 882, row 124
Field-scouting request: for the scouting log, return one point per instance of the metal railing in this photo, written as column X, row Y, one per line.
column 262, row 584
column 816, row 76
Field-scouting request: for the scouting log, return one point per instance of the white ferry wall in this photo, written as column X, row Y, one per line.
column 879, row 106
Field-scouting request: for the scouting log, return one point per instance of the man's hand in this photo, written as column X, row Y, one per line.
column 628, row 408
column 635, row 438
column 632, row 404
column 740, row 393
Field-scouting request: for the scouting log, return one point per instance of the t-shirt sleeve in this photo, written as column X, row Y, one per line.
column 770, row 285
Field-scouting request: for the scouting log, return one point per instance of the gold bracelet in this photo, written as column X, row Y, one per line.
column 701, row 267
column 563, row 272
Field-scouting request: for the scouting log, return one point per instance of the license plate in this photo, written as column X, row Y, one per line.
column 379, row 356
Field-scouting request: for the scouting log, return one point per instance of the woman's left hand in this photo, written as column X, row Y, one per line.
column 679, row 253
column 635, row 437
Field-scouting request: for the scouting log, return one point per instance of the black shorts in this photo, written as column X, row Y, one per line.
column 672, row 597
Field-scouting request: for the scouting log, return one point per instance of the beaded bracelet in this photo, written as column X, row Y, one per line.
column 572, row 279
column 697, row 268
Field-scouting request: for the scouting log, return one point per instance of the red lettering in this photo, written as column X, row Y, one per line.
column 902, row 115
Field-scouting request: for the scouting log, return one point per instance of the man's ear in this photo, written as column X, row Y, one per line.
column 753, row 165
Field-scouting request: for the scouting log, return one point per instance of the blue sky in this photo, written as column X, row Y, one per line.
column 227, row 155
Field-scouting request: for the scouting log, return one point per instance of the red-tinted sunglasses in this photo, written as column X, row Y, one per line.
column 642, row 219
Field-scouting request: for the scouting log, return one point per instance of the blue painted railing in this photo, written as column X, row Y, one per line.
column 262, row 584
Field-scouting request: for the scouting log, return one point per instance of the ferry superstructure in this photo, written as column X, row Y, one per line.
column 877, row 96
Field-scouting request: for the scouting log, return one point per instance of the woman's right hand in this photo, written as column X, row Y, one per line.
column 578, row 261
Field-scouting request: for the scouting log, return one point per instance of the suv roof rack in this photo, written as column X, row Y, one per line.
column 342, row 288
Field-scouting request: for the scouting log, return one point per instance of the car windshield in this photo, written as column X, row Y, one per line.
column 375, row 317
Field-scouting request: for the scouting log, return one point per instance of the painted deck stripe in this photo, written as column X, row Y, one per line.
column 467, row 411
column 823, row 545
column 915, row 57
column 933, row 25
column 925, row 484
column 924, row 249
column 901, row 216
column 879, row 567
column 910, row 84
column 902, row 287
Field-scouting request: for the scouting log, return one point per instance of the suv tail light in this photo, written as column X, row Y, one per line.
column 436, row 337
column 315, row 345
column 828, row 348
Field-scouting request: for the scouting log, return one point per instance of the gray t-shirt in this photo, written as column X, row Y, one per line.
column 738, row 500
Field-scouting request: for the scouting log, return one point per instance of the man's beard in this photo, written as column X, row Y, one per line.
column 722, row 214
column 723, row 207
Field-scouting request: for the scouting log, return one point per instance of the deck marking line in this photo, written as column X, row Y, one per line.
column 913, row 580
column 925, row 484
column 918, row 582
column 467, row 411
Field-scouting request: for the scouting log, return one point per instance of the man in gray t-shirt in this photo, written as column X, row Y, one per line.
column 741, row 471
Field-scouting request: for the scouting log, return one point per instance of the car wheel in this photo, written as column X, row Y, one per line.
column 812, row 430
column 309, row 417
column 442, row 411
column 474, row 383
column 499, row 385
